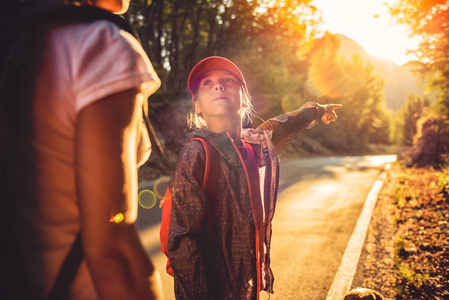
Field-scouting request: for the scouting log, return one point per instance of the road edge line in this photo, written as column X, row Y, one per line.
column 348, row 266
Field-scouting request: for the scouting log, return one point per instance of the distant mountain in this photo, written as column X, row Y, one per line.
column 399, row 80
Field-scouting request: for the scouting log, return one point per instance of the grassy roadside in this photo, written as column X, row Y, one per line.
column 406, row 252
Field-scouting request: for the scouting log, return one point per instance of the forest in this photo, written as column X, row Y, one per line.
column 423, row 121
column 287, row 61
column 276, row 45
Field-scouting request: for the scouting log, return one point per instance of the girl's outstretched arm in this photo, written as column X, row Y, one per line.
column 286, row 126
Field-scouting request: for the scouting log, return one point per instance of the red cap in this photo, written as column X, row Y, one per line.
column 209, row 64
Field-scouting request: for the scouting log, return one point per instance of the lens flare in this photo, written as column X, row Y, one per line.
column 292, row 102
column 147, row 199
column 161, row 186
column 117, row 218
column 334, row 78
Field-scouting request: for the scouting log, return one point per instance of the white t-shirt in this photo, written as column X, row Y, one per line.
column 82, row 63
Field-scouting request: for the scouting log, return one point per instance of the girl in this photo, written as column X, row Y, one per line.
column 219, row 245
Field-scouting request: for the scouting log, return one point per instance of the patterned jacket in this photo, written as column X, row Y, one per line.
column 212, row 242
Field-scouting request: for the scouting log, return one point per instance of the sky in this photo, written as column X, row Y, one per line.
column 367, row 22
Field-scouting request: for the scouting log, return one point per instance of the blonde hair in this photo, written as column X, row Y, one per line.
column 196, row 121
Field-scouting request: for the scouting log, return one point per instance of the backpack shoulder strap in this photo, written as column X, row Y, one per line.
column 210, row 179
column 211, row 174
column 61, row 14
column 69, row 268
column 212, row 169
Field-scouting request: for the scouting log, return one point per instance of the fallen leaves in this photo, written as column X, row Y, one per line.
column 423, row 273
column 411, row 259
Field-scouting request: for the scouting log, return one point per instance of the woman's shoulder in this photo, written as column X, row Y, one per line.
column 79, row 42
column 101, row 59
column 93, row 32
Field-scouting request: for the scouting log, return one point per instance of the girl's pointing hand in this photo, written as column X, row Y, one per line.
column 329, row 113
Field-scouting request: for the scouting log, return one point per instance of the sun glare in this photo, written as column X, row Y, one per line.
column 368, row 22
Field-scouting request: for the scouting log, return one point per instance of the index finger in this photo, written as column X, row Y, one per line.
column 335, row 106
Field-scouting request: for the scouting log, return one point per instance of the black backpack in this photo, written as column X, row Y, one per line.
column 23, row 28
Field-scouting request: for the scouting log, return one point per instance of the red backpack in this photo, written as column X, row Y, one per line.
column 211, row 172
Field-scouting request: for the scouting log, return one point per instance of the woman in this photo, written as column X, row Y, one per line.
column 219, row 246
column 93, row 81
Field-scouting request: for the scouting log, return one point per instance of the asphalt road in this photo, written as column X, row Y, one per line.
column 319, row 202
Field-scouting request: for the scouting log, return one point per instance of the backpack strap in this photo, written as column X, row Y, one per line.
column 61, row 14
column 210, row 179
column 212, row 168
column 69, row 268
column 211, row 173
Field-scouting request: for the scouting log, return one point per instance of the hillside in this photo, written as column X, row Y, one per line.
column 399, row 80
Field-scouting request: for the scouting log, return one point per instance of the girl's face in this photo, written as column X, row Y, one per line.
column 115, row 6
column 219, row 93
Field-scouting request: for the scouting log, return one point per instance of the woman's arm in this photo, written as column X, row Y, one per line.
column 106, row 177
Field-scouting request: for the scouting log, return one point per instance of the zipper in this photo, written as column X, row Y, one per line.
column 258, row 283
